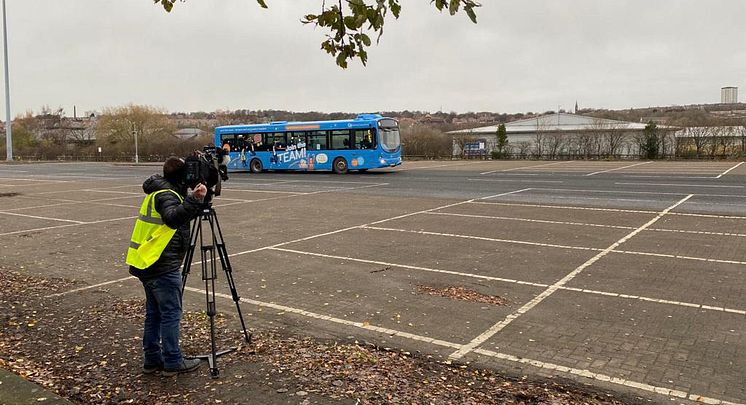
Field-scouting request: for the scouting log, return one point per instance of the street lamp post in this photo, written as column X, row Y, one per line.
column 134, row 132
column 8, row 123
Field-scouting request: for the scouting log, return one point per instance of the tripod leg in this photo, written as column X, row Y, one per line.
column 193, row 236
column 226, row 264
column 209, row 274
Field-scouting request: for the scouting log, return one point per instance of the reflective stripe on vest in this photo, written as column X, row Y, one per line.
column 151, row 235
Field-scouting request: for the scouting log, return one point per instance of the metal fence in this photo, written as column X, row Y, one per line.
column 88, row 158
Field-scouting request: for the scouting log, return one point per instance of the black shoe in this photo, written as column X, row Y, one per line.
column 186, row 366
column 147, row 370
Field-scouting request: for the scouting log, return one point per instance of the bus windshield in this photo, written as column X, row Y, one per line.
column 389, row 134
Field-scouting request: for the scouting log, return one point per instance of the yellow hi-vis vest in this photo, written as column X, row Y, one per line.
column 150, row 236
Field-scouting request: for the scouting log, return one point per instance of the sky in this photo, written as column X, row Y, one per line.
column 522, row 55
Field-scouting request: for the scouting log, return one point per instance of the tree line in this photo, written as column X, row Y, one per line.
column 51, row 135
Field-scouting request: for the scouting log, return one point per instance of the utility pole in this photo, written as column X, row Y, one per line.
column 8, row 123
column 134, row 132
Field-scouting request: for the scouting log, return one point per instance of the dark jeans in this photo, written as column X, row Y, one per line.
column 162, row 320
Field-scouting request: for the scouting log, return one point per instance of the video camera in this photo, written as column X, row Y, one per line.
column 208, row 167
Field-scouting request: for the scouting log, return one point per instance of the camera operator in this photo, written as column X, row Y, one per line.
column 157, row 247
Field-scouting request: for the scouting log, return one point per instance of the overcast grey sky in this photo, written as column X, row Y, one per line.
column 523, row 55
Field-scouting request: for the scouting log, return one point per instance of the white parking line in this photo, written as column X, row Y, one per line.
column 39, row 180
column 687, row 214
column 65, row 202
column 564, row 207
column 673, row 193
column 728, row 171
column 560, row 197
column 617, row 168
column 406, row 169
column 113, row 192
column 696, row 232
column 60, row 294
column 526, row 167
column 265, row 191
column 678, row 185
column 682, row 257
column 518, row 180
column 541, row 221
column 38, row 217
column 572, row 207
column 656, row 300
column 453, row 235
column 666, row 177
column 46, row 228
column 554, row 287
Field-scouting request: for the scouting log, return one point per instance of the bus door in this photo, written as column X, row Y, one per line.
column 277, row 144
column 316, row 151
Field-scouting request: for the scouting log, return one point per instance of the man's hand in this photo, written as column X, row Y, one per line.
column 200, row 191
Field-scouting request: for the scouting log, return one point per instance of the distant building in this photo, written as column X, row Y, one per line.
column 568, row 135
column 729, row 95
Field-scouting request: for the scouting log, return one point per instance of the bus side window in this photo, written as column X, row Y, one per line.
column 340, row 139
column 297, row 138
column 364, row 139
column 265, row 142
column 280, row 141
column 228, row 142
column 316, row 140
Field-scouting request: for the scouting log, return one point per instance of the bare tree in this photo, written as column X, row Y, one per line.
column 117, row 128
column 424, row 141
column 583, row 141
column 614, row 138
column 740, row 132
column 555, row 142
column 540, row 139
column 724, row 141
column 698, row 136
column 523, row 147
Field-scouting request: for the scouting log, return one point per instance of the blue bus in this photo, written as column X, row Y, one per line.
column 369, row 141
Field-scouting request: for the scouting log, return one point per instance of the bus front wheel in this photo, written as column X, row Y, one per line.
column 339, row 166
column 256, row 166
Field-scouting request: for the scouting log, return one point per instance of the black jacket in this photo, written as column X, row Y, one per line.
column 176, row 215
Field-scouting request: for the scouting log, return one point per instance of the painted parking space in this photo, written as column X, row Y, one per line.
column 717, row 286
column 386, row 296
column 470, row 259
column 575, row 261
column 638, row 341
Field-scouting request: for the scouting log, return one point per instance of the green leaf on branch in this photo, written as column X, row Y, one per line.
column 345, row 22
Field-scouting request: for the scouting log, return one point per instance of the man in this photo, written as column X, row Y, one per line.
column 157, row 247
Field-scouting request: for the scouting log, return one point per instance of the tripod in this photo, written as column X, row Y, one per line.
column 215, row 243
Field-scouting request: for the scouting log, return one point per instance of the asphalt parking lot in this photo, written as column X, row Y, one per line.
column 628, row 275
